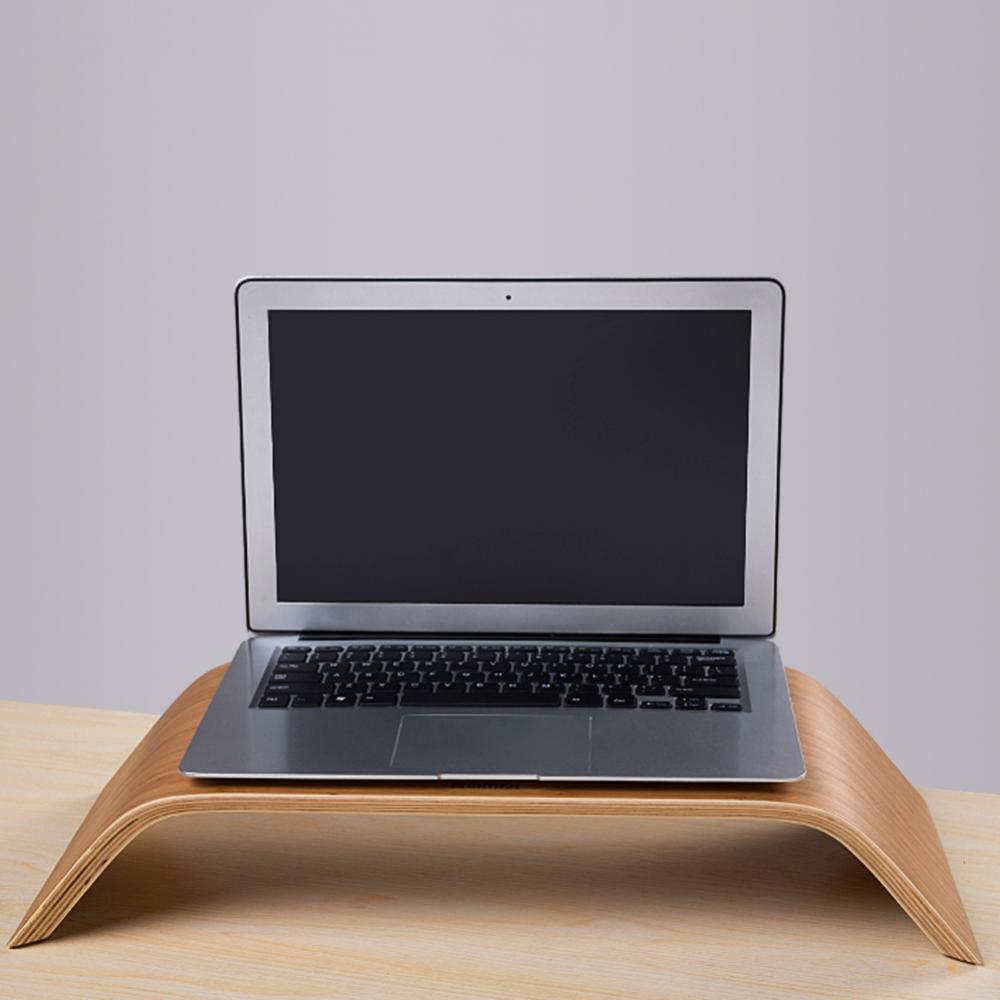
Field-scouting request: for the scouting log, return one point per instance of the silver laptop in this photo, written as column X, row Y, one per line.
column 507, row 529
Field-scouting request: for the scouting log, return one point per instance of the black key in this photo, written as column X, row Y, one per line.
column 387, row 655
column 394, row 649
column 329, row 650
column 515, row 656
column 522, row 687
column 295, row 677
column 583, row 689
column 523, row 649
column 307, row 701
column 371, row 676
column 341, row 700
column 451, row 655
column 358, row 656
column 451, row 688
column 292, row 657
column 697, row 704
column 363, row 649
column 439, row 674
column 485, row 686
column 719, row 692
column 621, row 701
column 411, row 676
column 550, row 687
column 458, row 649
column 723, row 671
column 710, row 682
column 490, row 649
column 650, row 691
column 390, row 686
column 654, row 704
column 584, row 701
column 352, row 689
column 296, row 649
column 642, row 659
column 714, row 661
column 486, row 699
column 727, row 707
column 419, row 654
column 378, row 698
column 534, row 673
column 503, row 674
column 546, row 656
column 479, row 656
column 295, row 688
column 322, row 658
column 274, row 701
column 684, row 691
column 469, row 676
column 299, row 668
column 426, row 647
column 420, row 688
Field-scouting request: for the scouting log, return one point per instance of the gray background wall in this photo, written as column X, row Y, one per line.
column 154, row 153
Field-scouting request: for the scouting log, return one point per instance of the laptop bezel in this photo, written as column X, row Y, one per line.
column 763, row 297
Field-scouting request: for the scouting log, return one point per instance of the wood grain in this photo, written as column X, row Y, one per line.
column 852, row 793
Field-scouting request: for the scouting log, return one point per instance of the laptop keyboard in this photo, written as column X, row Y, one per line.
column 510, row 676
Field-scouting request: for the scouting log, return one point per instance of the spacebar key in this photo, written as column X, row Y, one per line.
column 487, row 699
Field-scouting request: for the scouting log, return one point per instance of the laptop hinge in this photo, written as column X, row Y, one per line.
column 518, row 636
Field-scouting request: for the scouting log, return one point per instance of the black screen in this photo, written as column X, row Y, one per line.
column 521, row 457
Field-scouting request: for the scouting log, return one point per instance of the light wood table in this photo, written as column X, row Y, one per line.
column 327, row 905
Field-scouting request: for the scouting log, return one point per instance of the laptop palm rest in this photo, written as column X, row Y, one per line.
column 497, row 746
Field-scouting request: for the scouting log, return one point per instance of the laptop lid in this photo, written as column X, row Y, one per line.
column 510, row 455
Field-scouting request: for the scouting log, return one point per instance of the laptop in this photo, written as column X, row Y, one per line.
column 507, row 529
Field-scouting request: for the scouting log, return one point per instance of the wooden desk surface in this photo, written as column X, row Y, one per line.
column 326, row 906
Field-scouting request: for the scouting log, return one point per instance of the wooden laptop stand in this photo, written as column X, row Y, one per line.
column 852, row 792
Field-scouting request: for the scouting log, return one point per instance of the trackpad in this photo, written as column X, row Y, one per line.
column 494, row 745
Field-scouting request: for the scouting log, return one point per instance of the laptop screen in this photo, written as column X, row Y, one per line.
column 580, row 457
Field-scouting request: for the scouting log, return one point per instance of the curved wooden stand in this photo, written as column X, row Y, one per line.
column 852, row 792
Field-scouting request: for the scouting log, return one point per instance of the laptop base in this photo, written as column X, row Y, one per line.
column 283, row 713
